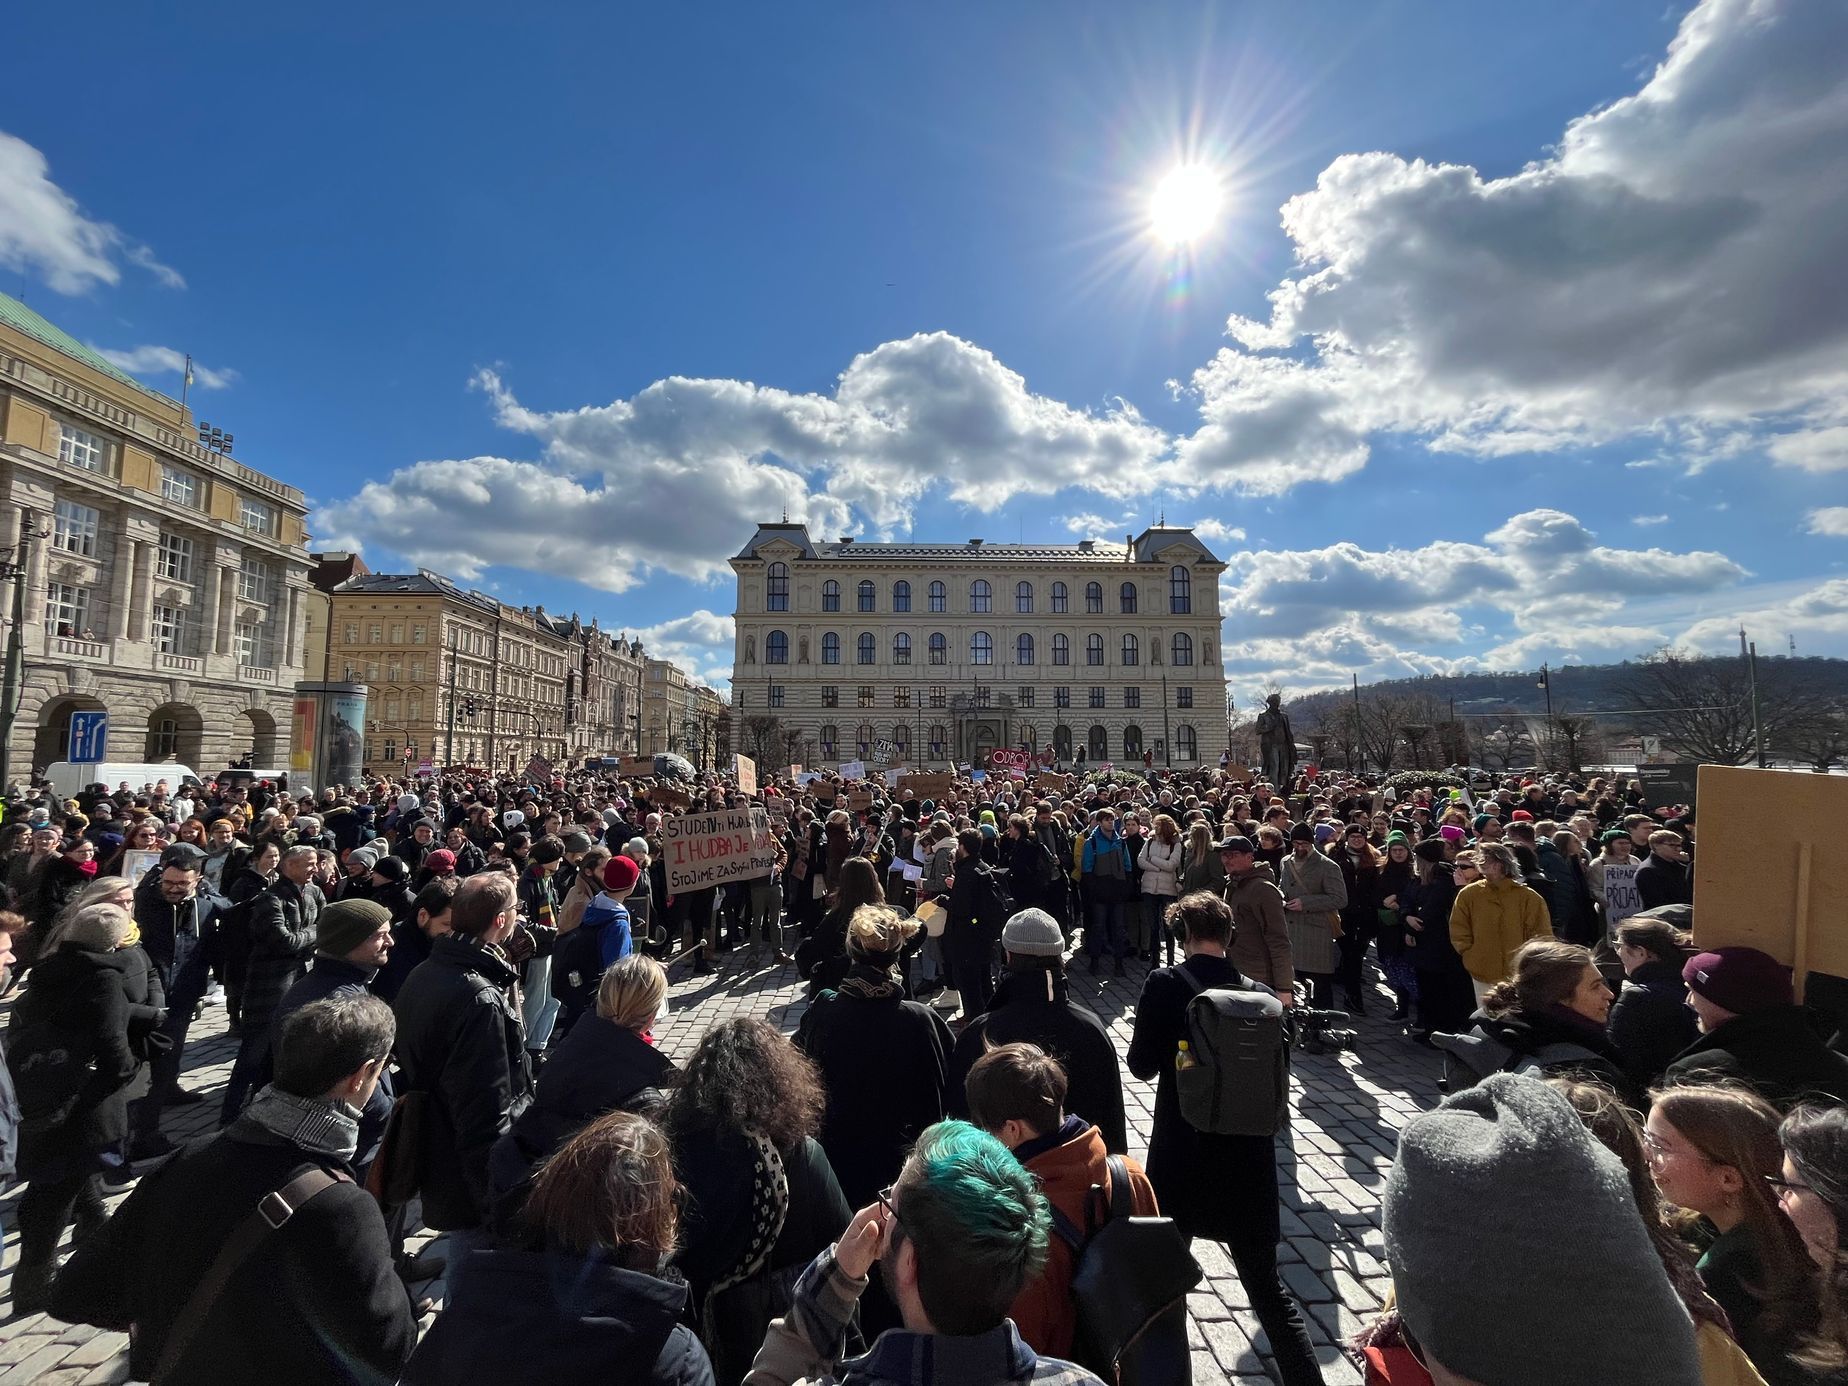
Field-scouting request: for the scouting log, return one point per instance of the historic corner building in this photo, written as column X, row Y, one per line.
column 164, row 582
column 948, row 651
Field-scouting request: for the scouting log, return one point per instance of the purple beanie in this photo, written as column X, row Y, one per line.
column 1740, row 980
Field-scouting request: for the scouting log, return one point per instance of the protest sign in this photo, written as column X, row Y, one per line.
column 1008, row 760
column 632, row 767
column 1620, row 897
column 859, row 799
column 744, row 769
column 853, row 769
column 1665, row 786
column 795, row 772
column 666, row 795
column 1782, row 892
column 703, row 850
column 1048, row 783
column 979, row 776
column 892, row 778
column 926, row 786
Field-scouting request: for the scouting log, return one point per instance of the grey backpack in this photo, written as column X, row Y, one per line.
column 1239, row 1083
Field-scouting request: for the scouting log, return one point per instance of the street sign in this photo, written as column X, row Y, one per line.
column 89, row 738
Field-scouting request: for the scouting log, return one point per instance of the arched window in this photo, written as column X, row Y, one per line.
column 1061, row 649
column 1023, row 650
column 1126, row 597
column 830, row 648
column 869, row 648
column 901, row 648
column 1094, row 649
column 866, row 596
column 1097, row 743
column 863, row 740
column 830, row 740
column 981, row 648
column 1183, row 649
column 980, row 596
column 1060, row 597
column 776, row 588
column 1023, row 597
column 776, row 648
column 1062, row 742
column 1180, row 591
column 901, row 738
column 939, row 648
column 901, row 596
column 939, row 738
column 830, row 595
column 1132, row 651
column 1132, row 742
column 939, row 597
column 1094, row 596
column 1185, row 747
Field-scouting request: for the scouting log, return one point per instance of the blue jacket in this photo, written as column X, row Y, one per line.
column 1089, row 863
column 611, row 917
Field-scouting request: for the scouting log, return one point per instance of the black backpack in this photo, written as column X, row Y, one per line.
column 577, row 969
column 996, row 905
column 1239, row 1082
column 1130, row 1281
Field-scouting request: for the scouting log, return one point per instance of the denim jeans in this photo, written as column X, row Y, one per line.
column 1104, row 925
column 539, row 1008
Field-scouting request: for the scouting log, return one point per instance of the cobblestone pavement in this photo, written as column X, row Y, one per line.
column 1347, row 1113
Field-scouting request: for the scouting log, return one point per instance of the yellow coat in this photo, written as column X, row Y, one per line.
column 1490, row 920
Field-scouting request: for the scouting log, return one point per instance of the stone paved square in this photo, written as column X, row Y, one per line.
column 1346, row 1111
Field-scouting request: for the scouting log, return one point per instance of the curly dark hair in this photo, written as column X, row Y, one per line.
column 746, row 1075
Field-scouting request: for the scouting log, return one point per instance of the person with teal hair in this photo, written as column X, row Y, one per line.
column 955, row 1238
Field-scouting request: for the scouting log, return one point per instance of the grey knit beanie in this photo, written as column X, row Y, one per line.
column 1517, row 1253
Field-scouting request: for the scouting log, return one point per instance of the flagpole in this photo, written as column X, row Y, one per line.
column 185, row 385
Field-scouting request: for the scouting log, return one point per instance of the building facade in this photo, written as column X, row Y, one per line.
column 165, row 583
column 603, row 691
column 1102, row 652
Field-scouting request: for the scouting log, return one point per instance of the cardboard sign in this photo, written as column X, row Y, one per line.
column 859, row 799
column 539, row 769
column 933, row 786
column 1048, row 783
column 670, row 796
column 630, row 767
column 1782, row 892
column 795, row 773
column 745, row 769
column 703, row 850
column 1667, row 785
column 853, row 769
column 892, row 778
column 1620, row 897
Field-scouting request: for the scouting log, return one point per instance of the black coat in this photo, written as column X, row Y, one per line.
column 460, row 1040
column 1776, row 1052
column 1650, row 1022
column 162, row 924
column 318, row 1303
column 280, row 923
column 1661, row 882
column 53, row 885
column 597, row 1067
column 1211, row 1185
column 337, row 977
column 1430, row 904
column 1528, row 1032
column 78, row 1002
column 968, row 940
column 1022, row 1011
column 521, row 1316
column 885, row 1061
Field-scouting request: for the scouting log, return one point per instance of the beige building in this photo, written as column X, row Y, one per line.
column 948, row 651
column 165, row 582
column 455, row 677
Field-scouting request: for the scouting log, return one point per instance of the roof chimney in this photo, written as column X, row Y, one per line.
column 1129, row 548
column 975, row 543
column 1087, row 546
column 846, row 539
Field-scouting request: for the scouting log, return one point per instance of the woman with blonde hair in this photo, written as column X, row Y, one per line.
column 1494, row 916
column 591, row 1297
column 1161, row 876
column 606, row 1062
column 1201, row 868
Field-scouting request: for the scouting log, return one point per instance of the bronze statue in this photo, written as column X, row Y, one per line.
column 1277, row 742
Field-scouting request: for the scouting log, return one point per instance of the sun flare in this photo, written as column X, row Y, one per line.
column 1185, row 204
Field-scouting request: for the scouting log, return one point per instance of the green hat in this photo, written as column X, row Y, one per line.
column 1612, row 835
column 1397, row 836
column 344, row 925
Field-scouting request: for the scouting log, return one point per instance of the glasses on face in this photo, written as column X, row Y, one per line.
column 885, row 1201
column 1781, row 1187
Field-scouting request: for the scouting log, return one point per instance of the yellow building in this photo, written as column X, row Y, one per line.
column 165, row 582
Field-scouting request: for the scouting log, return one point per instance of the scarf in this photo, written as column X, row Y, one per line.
column 313, row 1123
column 871, row 983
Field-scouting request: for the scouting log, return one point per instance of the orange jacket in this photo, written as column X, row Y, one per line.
column 1043, row 1309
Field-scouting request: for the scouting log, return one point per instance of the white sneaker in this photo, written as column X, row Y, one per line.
column 214, row 995
column 947, row 1000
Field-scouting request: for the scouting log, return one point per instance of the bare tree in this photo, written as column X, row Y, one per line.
column 1818, row 739
column 1701, row 706
column 763, row 735
column 1565, row 741
column 1327, row 732
column 1502, row 744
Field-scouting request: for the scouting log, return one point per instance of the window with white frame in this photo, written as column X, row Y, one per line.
column 253, row 580
column 251, row 646
column 176, row 555
column 182, row 488
column 67, row 608
column 258, row 516
column 168, row 629
column 79, row 448
column 73, row 528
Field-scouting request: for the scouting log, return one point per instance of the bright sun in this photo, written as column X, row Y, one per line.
column 1185, row 204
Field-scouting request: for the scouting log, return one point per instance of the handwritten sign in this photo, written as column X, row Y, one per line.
column 631, row 767
column 704, row 850
column 745, row 770
column 1620, row 897
column 1009, row 760
column 1048, row 783
column 932, row 786
column 859, row 798
column 539, row 769
column 853, row 769
column 670, row 796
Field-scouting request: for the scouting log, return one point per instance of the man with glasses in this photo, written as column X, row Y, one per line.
column 955, row 1239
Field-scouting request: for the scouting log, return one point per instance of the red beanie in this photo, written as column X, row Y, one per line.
column 621, row 874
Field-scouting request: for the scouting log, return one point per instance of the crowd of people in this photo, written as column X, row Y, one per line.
column 448, row 997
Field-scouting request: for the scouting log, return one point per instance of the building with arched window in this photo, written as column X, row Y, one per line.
column 1144, row 650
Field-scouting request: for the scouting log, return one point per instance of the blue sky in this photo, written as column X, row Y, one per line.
column 1518, row 335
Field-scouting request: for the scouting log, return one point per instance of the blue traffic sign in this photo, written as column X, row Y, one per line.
column 89, row 737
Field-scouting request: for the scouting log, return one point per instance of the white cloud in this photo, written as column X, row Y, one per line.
column 1821, row 612
column 162, row 360
column 1092, row 526
column 1218, row 532
column 1673, row 268
column 1831, row 520
column 1648, row 520
column 43, row 230
column 699, row 642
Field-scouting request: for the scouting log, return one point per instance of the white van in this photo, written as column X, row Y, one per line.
column 68, row 777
